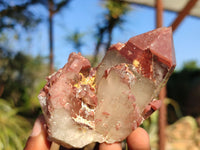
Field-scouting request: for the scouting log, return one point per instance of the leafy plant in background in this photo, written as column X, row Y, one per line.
column 113, row 17
column 14, row 128
column 19, row 15
column 151, row 124
column 76, row 39
column 21, row 78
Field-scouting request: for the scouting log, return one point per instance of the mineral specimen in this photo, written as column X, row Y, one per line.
column 105, row 104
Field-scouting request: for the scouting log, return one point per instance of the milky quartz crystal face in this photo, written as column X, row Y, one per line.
column 105, row 104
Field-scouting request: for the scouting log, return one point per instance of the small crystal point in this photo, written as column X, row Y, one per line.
column 159, row 42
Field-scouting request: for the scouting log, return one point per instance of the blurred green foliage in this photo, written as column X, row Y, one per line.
column 116, row 9
column 21, row 78
column 76, row 39
column 113, row 17
column 14, row 128
column 191, row 65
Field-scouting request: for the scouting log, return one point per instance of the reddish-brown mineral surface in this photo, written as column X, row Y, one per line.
column 105, row 104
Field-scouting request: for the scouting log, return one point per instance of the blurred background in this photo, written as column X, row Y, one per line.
column 37, row 36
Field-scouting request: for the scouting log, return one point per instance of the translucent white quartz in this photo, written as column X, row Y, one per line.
column 129, row 77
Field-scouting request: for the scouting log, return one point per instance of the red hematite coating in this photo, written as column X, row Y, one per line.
column 159, row 42
column 82, row 105
column 145, row 48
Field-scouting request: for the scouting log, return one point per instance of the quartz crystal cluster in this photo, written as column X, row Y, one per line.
column 105, row 104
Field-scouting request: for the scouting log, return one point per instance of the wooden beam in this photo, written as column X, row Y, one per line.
column 162, row 121
column 183, row 14
column 162, row 111
column 159, row 13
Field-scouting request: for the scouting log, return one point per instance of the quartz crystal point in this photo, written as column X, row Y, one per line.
column 105, row 104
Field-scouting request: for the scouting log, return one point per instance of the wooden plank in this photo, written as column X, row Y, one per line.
column 162, row 122
column 183, row 14
column 169, row 5
column 162, row 111
column 159, row 13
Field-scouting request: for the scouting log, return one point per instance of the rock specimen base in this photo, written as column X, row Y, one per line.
column 105, row 104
